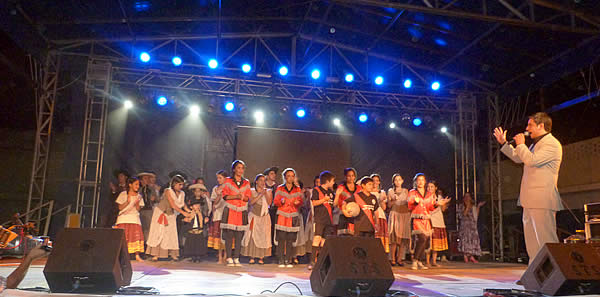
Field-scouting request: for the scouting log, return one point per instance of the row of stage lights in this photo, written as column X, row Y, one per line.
column 284, row 71
column 259, row 115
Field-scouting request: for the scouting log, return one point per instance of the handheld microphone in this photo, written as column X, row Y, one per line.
column 512, row 141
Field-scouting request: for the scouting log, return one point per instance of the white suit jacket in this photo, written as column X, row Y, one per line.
column 540, row 172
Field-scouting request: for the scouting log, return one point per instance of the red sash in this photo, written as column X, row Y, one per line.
column 162, row 219
column 362, row 203
column 327, row 206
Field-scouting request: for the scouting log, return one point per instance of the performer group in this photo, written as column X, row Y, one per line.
column 261, row 220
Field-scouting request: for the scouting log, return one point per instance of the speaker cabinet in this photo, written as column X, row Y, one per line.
column 564, row 269
column 88, row 261
column 350, row 266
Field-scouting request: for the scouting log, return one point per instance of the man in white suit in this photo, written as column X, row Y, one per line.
column 539, row 195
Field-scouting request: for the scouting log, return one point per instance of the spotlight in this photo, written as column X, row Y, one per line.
column 128, row 104
column 417, row 122
column 283, row 71
column 392, row 125
column 145, row 57
column 337, row 122
column 300, row 112
column 162, row 101
column 363, row 117
column 315, row 74
column 176, row 61
column 229, row 106
column 195, row 110
column 246, row 68
column 379, row 80
column 349, row 77
column 259, row 116
column 444, row 129
column 212, row 63
column 435, row 85
column 405, row 119
column 407, row 83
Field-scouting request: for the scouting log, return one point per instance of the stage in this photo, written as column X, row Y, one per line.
column 212, row 279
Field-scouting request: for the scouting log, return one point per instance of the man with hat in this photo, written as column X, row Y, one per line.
column 195, row 228
column 150, row 198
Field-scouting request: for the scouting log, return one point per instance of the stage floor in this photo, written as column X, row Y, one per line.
column 212, row 279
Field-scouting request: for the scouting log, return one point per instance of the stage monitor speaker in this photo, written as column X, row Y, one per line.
column 564, row 269
column 88, row 261
column 351, row 266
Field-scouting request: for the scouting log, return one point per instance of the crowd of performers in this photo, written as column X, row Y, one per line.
column 262, row 219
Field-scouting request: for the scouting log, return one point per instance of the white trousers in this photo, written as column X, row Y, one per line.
column 539, row 227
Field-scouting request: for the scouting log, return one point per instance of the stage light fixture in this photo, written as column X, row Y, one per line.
column 162, row 101
column 435, row 85
column 212, row 63
column 229, row 106
column 392, row 125
column 363, row 117
column 145, row 57
column 283, row 71
column 349, row 77
column 259, row 116
column 195, row 110
column 379, row 80
column 176, row 61
column 417, row 121
column 315, row 74
column 128, row 104
column 407, row 83
column 246, row 68
column 444, row 129
column 300, row 112
column 337, row 122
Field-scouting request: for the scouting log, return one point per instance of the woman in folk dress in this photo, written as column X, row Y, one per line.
column 163, row 241
column 256, row 243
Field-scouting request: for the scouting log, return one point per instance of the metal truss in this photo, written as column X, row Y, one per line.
column 465, row 170
column 506, row 113
column 566, row 19
column 495, row 181
column 97, row 90
column 339, row 55
column 46, row 81
column 281, row 91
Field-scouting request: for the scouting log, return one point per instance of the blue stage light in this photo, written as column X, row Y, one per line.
column 379, row 80
column 363, row 117
column 417, row 122
column 176, row 61
column 162, row 101
column 283, row 71
column 349, row 77
column 145, row 57
column 212, row 63
column 246, row 68
column 435, row 85
column 229, row 106
column 407, row 83
column 315, row 74
column 300, row 113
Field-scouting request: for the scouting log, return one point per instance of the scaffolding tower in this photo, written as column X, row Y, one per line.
column 45, row 80
column 97, row 90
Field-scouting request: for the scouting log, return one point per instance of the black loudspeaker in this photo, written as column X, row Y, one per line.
column 564, row 269
column 351, row 266
column 88, row 261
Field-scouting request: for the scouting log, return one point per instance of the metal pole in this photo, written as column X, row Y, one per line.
column 47, row 226
column 473, row 124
